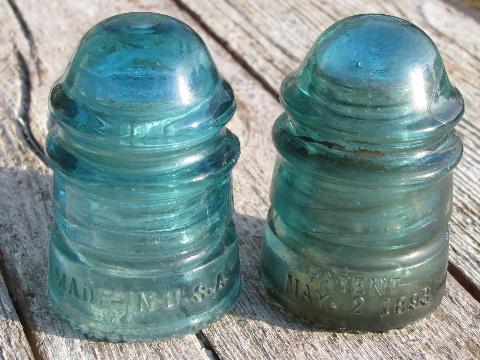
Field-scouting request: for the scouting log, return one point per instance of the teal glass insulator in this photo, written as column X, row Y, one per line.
column 357, row 234
column 143, row 243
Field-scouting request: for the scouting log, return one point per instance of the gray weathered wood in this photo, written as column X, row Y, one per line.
column 254, row 329
column 13, row 342
column 273, row 39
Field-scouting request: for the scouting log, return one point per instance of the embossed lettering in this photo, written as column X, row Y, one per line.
column 113, row 299
column 357, row 305
column 290, row 287
column 145, row 301
column 400, row 306
column 359, row 286
column 306, row 293
column 60, row 279
column 199, row 292
column 346, row 283
column 173, row 298
column 405, row 304
column 343, row 282
column 118, row 302
column 327, row 282
column 322, row 298
column 425, row 296
column 73, row 289
column 394, row 284
column 413, row 303
column 220, row 282
column 321, row 288
column 87, row 294
column 377, row 286
column 386, row 306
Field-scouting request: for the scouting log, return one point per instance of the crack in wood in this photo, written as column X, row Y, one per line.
column 23, row 116
column 224, row 43
column 207, row 345
column 21, row 308
column 464, row 280
column 27, row 33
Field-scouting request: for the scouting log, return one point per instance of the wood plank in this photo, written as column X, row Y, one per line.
column 13, row 341
column 254, row 329
column 25, row 207
column 272, row 40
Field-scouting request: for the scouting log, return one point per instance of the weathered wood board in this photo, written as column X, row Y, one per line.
column 35, row 47
column 13, row 342
column 273, row 40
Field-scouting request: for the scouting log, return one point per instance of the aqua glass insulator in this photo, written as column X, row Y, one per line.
column 143, row 243
column 357, row 234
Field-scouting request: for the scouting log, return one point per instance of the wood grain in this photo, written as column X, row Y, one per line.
column 272, row 40
column 253, row 330
column 13, row 342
